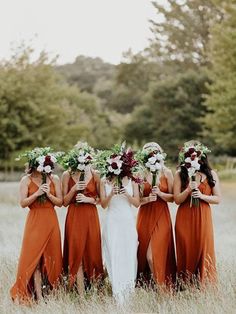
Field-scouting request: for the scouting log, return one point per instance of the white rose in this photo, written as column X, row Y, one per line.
column 159, row 157
column 48, row 169
column 117, row 171
column 81, row 167
column 110, row 169
column 188, row 160
column 152, row 160
column 195, row 164
column 148, row 164
column 191, row 171
column 40, row 168
column 81, row 159
column 152, row 168
column 53, row 159
column 158, row 166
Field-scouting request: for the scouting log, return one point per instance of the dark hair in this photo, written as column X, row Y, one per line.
column 204, row 168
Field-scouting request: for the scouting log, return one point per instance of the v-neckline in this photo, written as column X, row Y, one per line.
column 39, row 185
column 78, row 181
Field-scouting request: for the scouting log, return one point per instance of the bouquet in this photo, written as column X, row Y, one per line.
column 152, row 160
column 77, row 159
column 43, row 160
column 118, row 162
column 190, row 157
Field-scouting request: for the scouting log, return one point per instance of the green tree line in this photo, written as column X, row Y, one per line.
column 182, row 86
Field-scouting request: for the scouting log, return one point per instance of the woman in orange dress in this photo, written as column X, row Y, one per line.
column 193, row 228
column 82, row 256
column 41, row 256
column 156, row 253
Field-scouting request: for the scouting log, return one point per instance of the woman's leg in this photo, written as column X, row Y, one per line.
column 80, row 280
column 38, row 283
column 149, row 258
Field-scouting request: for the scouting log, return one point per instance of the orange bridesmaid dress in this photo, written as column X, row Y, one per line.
column 154, row 226
column 41, row 245
column 82, row 243
column 194, row 239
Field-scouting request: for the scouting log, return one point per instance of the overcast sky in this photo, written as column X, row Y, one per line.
column 103, row 28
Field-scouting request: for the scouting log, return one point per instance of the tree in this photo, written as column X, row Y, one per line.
column 221, row 102
column 172, row 111
column 182, row 32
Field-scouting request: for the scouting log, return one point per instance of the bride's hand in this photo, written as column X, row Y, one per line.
column 115, row 190
column 123, row 192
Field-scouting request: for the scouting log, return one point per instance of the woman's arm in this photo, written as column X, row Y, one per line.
column 215, row 198
column 57, row 199
column 135, row 199
column 26, row 200
column 180, row 197
column 167, row 197
column 67, row 195
column 105, row 199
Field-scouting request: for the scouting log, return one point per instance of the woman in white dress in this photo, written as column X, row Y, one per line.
column 120, row 239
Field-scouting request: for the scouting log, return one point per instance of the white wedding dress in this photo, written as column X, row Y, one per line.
column 120, row 243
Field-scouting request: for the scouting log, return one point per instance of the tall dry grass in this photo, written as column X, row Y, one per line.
column 209, row 300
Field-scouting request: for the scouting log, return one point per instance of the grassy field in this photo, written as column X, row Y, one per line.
column 221, row 300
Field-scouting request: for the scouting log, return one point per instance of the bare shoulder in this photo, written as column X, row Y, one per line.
column 25, row 180
column 168, row 172
column 55, row 178
column 214, row 175
column 66, row 175
column 96, row 174
column 177, row 174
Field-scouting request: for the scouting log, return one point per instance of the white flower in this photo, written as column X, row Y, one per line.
column 195, row 164
column 81, row 159
column 53, row 159
column 153, row 168
column 81, row 167
column 48, row 169
column 191, row 171
column 152, row 160
column 148, row 164
column 188, row 160
column 159, row 157
column 116, row 160
column 41, row 159
column 40, row 168
column 117, row 171
column 158, row 166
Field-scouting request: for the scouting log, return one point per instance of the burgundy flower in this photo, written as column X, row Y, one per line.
column 47, row 158
column 191, row 150
column 187, row 154
column 193, row 157
column 114, row 165
column 187, row 165
column 198, row 153
column 151, row 154
column 89, row 158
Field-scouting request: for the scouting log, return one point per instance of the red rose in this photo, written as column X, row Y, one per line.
column 198, row 153
column 89, row 157
column 193, row 157
column 151, row 154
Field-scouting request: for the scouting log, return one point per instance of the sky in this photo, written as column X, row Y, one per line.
column 68, row 28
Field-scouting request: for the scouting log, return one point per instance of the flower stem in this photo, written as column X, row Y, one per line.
column 154, row 178
column 42, row 198
column 194, row 200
